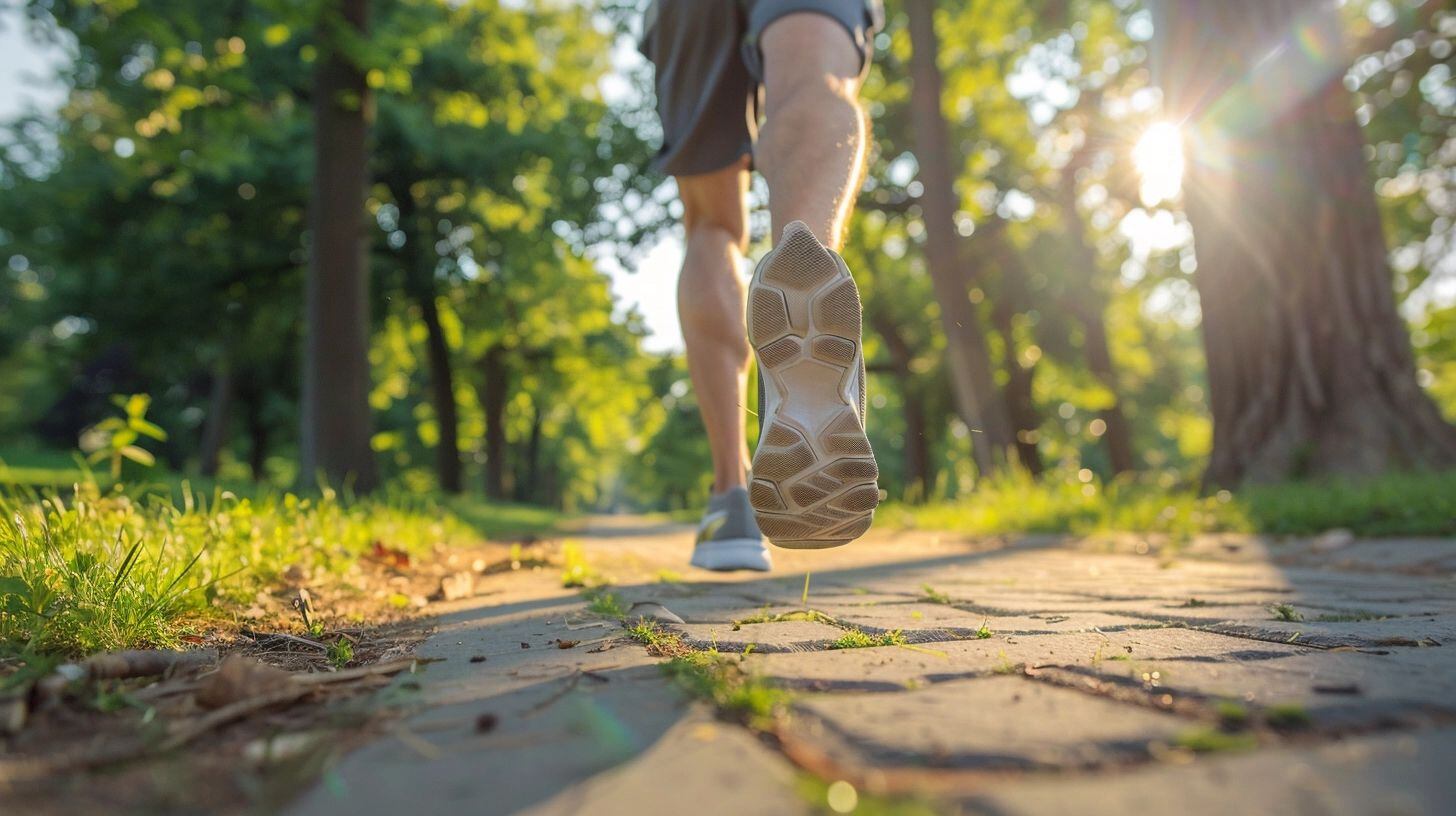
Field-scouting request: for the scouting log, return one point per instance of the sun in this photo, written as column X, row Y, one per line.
column 1158, row 157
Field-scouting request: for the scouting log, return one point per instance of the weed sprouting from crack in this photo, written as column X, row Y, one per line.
column 932, row 595
column 858, row 639
column 1286, row 612
column 765, row 616
column 605, row 603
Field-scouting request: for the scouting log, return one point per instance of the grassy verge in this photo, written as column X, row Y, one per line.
column 1398, row 504
column 110, row 568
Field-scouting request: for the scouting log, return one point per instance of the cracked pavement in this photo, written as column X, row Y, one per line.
column 1039, row 674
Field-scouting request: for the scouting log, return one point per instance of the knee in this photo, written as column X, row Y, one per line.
column 714, row 227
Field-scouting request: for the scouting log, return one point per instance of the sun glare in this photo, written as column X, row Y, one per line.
column 1158, row 157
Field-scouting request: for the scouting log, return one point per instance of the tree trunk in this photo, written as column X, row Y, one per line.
column 442, row 391
column 1088, row 306
column 918, row 478
column 215, row 428
column 527, row 488
column 1020, row 406
column 336, row 425
column 258, row 436
column 967, row 358
column 1310, row 370
column 419, row 276
column 495, row 377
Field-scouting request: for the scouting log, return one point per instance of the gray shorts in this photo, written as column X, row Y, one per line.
column 710, row 71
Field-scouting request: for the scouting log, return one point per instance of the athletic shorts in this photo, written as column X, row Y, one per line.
column 710, row 71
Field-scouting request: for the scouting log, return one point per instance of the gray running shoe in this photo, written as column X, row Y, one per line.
column 728, row 538
column 813, row 473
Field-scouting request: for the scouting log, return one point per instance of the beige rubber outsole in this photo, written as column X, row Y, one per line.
column 814, row 474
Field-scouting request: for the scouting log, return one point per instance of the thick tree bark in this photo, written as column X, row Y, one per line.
column 215, row 427
column 972, row 377
column 1310, row 369
column 1089, row 304
column 492, row 390
column 918, row 478
column 336, row 423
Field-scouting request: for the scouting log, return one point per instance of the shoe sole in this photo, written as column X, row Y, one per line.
column 729, row 554
column 813, row 473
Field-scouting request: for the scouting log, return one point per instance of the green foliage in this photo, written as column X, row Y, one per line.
column 1285, row 612
column 340, row 652
column 737, row 693
column 606, row 604
column 857, row 639
column 1396, row 504
column 1287, row 716
column 1212, row 741
column 932, row 595
column 115, row 438
column 98, row 570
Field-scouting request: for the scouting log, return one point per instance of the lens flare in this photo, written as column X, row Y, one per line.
column 1158, row 157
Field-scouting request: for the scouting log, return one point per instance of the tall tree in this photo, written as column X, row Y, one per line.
column 969, row 360
column 1309, row 364
column 336, row 424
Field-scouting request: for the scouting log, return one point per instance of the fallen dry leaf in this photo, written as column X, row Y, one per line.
column 239, row 678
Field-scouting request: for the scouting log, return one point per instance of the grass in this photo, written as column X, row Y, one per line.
column 858, row 639
column 1395, row 504
column 1286, row 612
column 765, row 616
column 930, row 594
column 1213, row 741
column 113, row 568
column 605, row 604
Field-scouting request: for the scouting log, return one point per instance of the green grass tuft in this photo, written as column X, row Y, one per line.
column 1395, row 504
column 102, row 569
column 606, row 604
column 1212, row 741
column 1286, row 612
column 931, row 595
column 857, row 639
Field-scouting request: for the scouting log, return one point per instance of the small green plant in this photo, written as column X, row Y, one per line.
column 1212, row 741
column 931, row 595
column 984, row 632
column 606, row 604
column 1285, row 612
column 857, row 639
column 575, row 571
column 341, row 653
column 1231, row 715
column 765, row 616
column 737, row 693
column 1004, row 664
column 115, row 438
column 1287, row 716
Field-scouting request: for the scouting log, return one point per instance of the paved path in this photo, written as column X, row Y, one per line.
column 1039, row 675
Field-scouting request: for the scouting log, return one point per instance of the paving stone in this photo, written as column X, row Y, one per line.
column 1389, row 775
column 961, row 624
column 991, row 723
column 1374, row 634
column 893, row 666
column 775, row 636
column 1343, row 681
column 598, row 728
column 698, row 766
